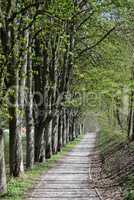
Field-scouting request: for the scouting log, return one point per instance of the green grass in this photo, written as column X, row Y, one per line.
column 17, row 187
column 109, row 140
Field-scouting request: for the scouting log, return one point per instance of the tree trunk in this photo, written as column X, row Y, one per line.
column 63, row 127
column 131, row 120
column 131, row 112
column 74, row 131
column 82, row 128
column 70, row 129
column 67, row 128
column 55, row 134
column 16, row 151
column 29, row 114
column 49, row 140
column 3, row 186
column 60, row 133
column 39, row 143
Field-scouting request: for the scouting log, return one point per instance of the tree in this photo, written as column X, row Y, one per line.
column 3, row 185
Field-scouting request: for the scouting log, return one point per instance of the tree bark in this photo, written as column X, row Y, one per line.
column 49, row 140
column 29, row 113
column 3, row 185
column 131, row 119
column 39, row 143
column 15, row 123
column 16, row 151
column 131, row 111
column 67, row 128
column 70, row 129
column 64, row 127
column 60, row 132
column 55, row 134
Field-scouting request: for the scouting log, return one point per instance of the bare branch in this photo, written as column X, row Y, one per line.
column 85, row 20
column 98, row 42
column 80, row 12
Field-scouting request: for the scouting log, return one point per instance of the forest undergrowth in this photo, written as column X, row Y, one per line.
column 113, row 165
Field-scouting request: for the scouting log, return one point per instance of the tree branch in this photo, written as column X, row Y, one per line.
column 38, row 12
column 98, row 42
column 85, row 20
column 80, row 12
column 23, row 10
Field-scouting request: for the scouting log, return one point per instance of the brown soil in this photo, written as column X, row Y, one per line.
column 109, row 170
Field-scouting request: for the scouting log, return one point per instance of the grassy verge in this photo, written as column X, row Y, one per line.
column 109, row 138
column 118, row 158
column 17, row 187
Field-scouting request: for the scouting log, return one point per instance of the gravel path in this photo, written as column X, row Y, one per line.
column 69, row 179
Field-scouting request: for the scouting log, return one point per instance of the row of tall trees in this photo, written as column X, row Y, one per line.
column 37, row 44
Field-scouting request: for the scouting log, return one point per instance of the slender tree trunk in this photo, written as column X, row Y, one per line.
column 49, row 140
column 29, row 114
column 82, row 128
column 3, row 185
column 77, row 129
column 48, row 131
column 55, row 133
column 39, row 109
column 30, row 138
column 131, row 111
column 131, row 120
column 70, row 129
column 67, row 128
column 60, row 133
column 39, row 143
column 74, row 131
column 64, row 128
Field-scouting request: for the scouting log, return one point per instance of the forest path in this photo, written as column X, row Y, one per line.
column 69, row 179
